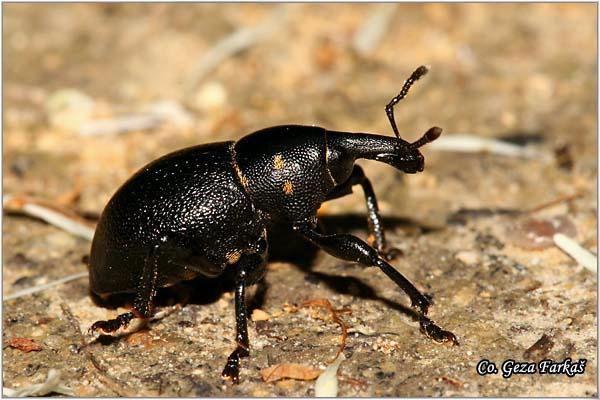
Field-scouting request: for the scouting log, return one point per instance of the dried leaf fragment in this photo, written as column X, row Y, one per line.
column 539, row 349
column 141, row 338
column 452, row 381
column 24, row 344
column 289, row 371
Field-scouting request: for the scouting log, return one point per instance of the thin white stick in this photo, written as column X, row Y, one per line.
column 45, row 286
column 580, row 254
column 51, row 385
column 53, row 215
column 374, row 28
column 59, row 220
column 327, row 383
column 234, row 43
column 63, row 219
column 475, row 144
column 124, row 124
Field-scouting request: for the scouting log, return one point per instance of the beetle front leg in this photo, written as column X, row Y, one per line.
column 351, row 248
column 245, row 266
column 376, row 231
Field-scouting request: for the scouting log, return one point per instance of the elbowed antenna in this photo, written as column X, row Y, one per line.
column 389, row 109
column 429, row 136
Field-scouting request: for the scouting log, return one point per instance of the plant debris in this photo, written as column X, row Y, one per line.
column 289, row 371
column 452, row 381
column 24, row 344
column 467, row 143
column 259, row 315
column 539, row 349
column 39, row 288
column 324, row 303
column 141, row 338
column 51, row 385
column 327, row 383
column 54, row 214
column 574, row 249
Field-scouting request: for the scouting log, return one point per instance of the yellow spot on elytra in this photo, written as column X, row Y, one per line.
column 233, row 256
column 288, row 188
column 278, row 162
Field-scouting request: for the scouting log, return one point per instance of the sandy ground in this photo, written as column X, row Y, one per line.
column 527, row 72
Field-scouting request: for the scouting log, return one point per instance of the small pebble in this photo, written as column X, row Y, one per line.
column 211, row 95
column 260, row 315
column 69, row 108
column 74, row 348
column 468, row 257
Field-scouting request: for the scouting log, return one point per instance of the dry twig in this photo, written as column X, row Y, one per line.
column 289, row 371
column 54, row 214
column 583, row 256
column 561, row 199
column 40, row 288
column 324, row 303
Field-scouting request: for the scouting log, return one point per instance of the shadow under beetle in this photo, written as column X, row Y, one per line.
column 200, row 209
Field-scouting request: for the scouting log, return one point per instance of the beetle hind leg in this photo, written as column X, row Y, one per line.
column 245, row 266
column 142, row 304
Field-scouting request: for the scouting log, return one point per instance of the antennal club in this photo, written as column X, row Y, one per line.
column 429, row 136
column 389, row 109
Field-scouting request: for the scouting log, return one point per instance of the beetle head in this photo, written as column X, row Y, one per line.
column 406, row 156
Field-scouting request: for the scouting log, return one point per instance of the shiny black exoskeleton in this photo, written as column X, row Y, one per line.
column 204, row 208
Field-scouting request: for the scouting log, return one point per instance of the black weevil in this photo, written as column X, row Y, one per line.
column 200, row 209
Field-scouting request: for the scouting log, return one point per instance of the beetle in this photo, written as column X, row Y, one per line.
column 206, row 208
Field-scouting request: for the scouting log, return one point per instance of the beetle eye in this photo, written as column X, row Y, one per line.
column 261, row 245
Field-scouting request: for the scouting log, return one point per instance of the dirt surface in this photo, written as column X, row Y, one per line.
column 528, row 71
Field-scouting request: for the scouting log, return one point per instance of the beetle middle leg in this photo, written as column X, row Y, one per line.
column 142, row 304
column 245, row 267
column 351, row 248
column 376, row 231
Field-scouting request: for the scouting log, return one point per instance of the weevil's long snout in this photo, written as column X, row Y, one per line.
column 429, row 136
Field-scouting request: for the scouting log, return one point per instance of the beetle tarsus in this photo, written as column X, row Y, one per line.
column 232, row 368
column 112, row 325
column 431, row 330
